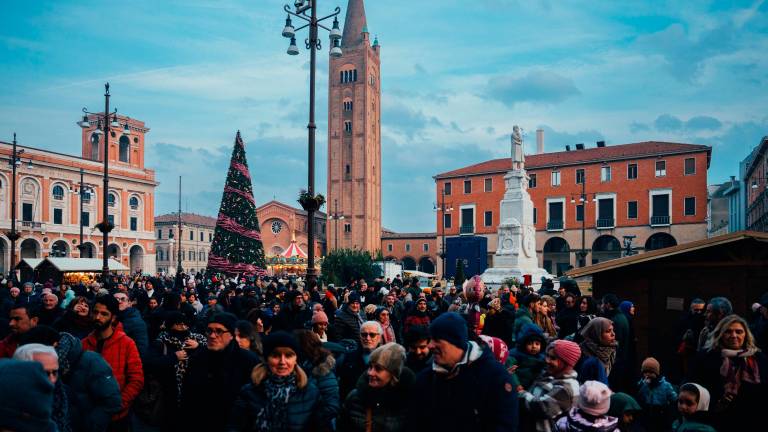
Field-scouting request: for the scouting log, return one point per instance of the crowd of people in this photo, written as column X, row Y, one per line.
column 271, row 354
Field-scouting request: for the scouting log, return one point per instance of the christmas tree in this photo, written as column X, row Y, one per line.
column 237, row 246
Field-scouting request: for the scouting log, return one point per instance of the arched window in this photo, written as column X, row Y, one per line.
column 134, row 203
column 111, row 199
column 58, row 192
column 125, row 149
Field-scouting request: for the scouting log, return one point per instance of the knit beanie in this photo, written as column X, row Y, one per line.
column 594, row 398
column 354, row 297
column 319, row 317
column 26, row 397
column 498, row 348
column 174, row 317
column 226, row 319
column 651, row 365
column 450, row 327
column 279, row 339
column 391, row 357
column 567, row 351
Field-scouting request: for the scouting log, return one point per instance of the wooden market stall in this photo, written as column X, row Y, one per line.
column 72, row 271
column 662, row 283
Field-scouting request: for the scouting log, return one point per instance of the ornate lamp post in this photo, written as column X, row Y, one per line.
column 83, row 190
column 106, row 120
column 442, row 209
column 13, row 235
column 307, row 10
column 581, row 255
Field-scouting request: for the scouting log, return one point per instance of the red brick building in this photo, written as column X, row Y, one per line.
column 416, row 251
column 655, row 191
column 756, row 180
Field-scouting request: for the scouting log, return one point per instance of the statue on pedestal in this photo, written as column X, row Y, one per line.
column 518, row 157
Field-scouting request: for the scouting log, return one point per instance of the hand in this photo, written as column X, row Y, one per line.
column 181, row 355
column 512, row 369
column 191, row 344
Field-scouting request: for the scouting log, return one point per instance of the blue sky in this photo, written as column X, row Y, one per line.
column 455, row 79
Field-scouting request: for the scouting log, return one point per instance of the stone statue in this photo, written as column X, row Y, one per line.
column 518, row 158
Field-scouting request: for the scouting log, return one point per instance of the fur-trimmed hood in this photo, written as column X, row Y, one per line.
column 260, row 372
column 324, row 367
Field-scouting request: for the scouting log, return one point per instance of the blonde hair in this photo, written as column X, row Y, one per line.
column 713, row 342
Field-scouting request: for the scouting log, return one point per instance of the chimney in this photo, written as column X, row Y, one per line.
column 600, row 144
column 580, row 146
column 539, row 141
column 567, row 148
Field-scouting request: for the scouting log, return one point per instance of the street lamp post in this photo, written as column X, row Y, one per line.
column 312, row 44
column 13, row 235
column 82, row 191
column 442, row 210
column 581, row 255
column 336, row 217
column 109, row 119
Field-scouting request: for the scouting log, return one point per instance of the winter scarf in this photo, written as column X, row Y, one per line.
column 176, row 343
column 60, row 412
column 63, row 349
column 592, row 333
column 274, row 416
column 739, row 366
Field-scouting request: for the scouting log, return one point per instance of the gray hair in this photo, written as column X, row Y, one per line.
column 373, row 324
column 28, row 351
column 721, row 305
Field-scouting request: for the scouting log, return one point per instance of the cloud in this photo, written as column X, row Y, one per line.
column 406, row 121
column 668, row 123
column 703, row 123
column 536, row 86
column 636, row 127
column 685, row 55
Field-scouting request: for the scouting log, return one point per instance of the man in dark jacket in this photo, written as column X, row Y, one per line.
column 348, row 320
column 133, row 325
column 92, row 391
column 418, row 357
column 469, row 389
column 352, row 365
column 296, row 315
column 215, row 376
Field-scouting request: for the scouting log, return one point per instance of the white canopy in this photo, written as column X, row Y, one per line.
column 418, row 273
column 83, row 264
column 32, row 262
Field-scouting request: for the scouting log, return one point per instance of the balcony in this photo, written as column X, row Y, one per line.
column 659, row 221
column 555, row 225
column 606, row 223
column 30, row 225
column 466, row 229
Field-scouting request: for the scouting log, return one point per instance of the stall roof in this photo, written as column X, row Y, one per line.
column 32, row 262
column 418, row 273
column 83, row 264
column 666, row 252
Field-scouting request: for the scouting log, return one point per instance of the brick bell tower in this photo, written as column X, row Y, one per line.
column 354, row 138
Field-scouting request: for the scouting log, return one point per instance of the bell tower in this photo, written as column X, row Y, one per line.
column 126, row 141
column 354, row 137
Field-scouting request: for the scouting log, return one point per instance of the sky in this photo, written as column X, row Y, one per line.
column 456, row 76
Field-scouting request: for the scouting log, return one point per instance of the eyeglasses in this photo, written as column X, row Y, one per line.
column 121, row 299
column 210, row 331
column 53, row 373
column 368, row 335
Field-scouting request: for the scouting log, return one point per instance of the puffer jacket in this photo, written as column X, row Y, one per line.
column 121, row 354
column 387, row 406
column 346, row 325
column 135, row 328
column 324, row 378
column 301, row 409
column 576, row 421
column 92, row 391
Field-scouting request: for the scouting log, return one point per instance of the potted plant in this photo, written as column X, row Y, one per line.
column 309, row 202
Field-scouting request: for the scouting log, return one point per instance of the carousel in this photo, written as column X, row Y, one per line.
column 292, row 261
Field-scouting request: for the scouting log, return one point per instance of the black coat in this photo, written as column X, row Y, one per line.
column 346, row 325
column 290, row 319
column 745, row 411
column 388, row 406
column 212, row 384
column 481, row 397
column 500, row 325
column 349, row 368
